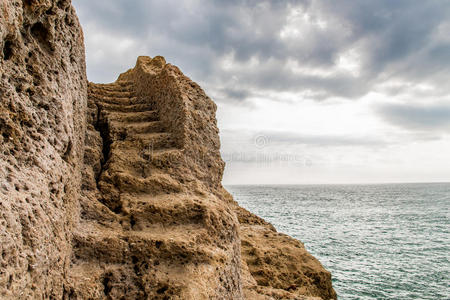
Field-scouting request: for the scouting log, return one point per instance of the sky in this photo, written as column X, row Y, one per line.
column 308, row 92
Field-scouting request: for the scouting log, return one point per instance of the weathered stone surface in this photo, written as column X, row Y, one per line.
column 42, row 109
column 277, row 265
column 113, row 191
column 153, row 224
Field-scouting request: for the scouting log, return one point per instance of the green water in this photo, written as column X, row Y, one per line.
column 379, row 241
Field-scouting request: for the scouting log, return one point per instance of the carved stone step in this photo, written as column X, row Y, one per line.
column 115, row 100
column 177, row 244
column 133, row 117
column 144, row 162
column 168, row 209
column 110, row 93
column 124, row 108
column 142, row 127
column 126, row 181
column 115, row 86
column 155, row 141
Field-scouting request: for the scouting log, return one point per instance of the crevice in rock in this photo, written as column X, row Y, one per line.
column 162, row 289
column 67, row 153
column 101, row 125
column 117, row 209
column 132, row 221
column 42, row 36
column 106, row 286
column 7, row 50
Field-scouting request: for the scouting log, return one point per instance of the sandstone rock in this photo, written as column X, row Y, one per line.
column 113, row 191
column 42, row 111
column 156, row 222
column 280, row 265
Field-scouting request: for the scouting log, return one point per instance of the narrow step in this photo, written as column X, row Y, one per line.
column 141, row 162
column 115, row 100
column 142, row 127
column 102, row 244
column 125, row 108
column 127, row 182
column 114, row 84
column 133, row 117
column 118, row 89
column 172, row 209
column 97, row 242
column 109, row 93
column 163, row 158
column 155, row 141
column 122, row 87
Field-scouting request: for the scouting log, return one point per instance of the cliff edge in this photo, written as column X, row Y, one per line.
column 113, row 191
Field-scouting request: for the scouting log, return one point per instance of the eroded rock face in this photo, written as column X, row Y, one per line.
column 278, row 266
column 156, row 222
column 113, row 191
column 42, row 113
column 153, row 225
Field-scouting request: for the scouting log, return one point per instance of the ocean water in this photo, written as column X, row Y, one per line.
column 389, row 241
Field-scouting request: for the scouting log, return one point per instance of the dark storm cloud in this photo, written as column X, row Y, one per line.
column 417, row 117
column 393, row 29
column 275, row 77
column 403, row 39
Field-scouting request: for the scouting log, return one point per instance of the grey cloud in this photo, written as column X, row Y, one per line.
column 398, row 36
column 397, row 40
column 237, row 94
column 417, row 117
column 276, row 139
column 321, row 140
column 278, row 79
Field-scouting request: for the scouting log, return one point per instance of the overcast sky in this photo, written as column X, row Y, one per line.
column 307, row 91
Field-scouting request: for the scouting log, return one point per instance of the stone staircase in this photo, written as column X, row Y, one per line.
column 141, row 233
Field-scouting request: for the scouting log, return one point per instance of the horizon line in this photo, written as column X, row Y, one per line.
column 348, row 183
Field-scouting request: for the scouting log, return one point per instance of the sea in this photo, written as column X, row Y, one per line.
column 380, row 241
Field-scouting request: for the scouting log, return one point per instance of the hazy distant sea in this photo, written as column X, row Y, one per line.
column 389, row 241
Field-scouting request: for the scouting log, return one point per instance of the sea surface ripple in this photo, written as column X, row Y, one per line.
column 386, row 241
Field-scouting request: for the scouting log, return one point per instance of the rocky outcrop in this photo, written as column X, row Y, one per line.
column 153, row 224
column 42, row 123
column 113, row 191
column 276, row 266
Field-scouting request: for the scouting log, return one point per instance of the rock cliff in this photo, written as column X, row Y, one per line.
column 43, row 91
column 113, row 191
